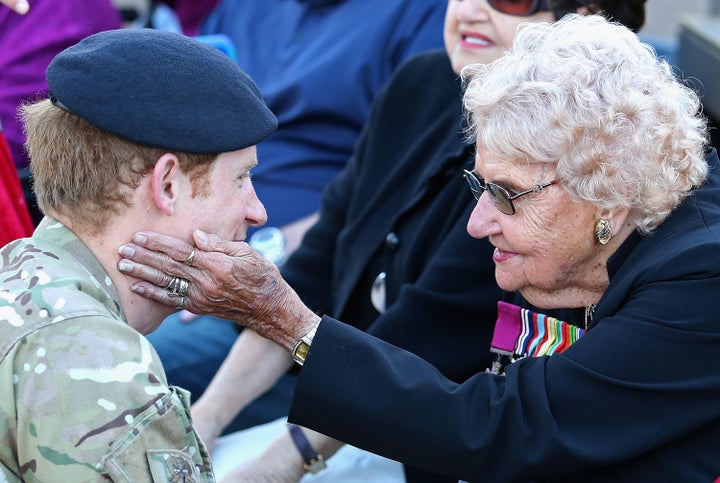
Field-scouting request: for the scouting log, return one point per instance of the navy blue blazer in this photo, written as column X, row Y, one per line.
column 636, row 399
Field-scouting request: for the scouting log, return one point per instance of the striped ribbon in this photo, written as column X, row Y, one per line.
column 523, row 333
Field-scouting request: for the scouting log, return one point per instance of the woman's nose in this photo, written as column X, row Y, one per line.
column 483, row 219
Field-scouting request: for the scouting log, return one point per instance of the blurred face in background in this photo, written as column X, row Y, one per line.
column 475, row 32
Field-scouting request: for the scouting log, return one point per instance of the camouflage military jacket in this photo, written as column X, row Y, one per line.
column 84, row 396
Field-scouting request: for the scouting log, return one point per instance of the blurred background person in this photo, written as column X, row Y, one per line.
column 319, row 68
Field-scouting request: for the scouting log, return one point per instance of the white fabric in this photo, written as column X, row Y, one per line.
column 348, row 465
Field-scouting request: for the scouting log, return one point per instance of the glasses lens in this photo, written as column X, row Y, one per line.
column 515, row 7
column 501, row 198
column 474, row 183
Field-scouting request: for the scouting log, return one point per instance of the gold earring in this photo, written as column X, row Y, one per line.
column 603, row 231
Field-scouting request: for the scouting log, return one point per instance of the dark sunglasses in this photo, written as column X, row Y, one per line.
column 500, row 196
column 519, row 7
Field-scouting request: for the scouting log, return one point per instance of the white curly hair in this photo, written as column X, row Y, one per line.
column 586, row 94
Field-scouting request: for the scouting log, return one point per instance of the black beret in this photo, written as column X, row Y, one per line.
column 160, row 89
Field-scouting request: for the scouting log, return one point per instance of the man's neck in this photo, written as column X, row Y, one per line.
column 142, row 314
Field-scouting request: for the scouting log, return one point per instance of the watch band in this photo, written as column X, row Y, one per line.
column 312, row 461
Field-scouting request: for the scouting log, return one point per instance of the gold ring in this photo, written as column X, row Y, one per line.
column 190, row 258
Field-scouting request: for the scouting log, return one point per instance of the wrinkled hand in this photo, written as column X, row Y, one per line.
column 227, row 279
column 20, row 6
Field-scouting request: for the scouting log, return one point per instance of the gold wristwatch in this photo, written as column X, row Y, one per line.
column 301, row 348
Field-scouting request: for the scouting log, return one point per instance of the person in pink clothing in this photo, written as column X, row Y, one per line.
column 37, row 30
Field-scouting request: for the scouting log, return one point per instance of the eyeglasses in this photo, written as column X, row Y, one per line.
column 519, row 7
column 500, row 196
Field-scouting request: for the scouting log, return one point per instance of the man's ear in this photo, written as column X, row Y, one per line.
column 166, row 182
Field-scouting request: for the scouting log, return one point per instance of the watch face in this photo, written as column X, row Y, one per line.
column 302, row 351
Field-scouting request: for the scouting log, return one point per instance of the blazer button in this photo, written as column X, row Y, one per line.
column 392, row 241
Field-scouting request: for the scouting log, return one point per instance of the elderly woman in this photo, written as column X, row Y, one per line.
column 594, row 188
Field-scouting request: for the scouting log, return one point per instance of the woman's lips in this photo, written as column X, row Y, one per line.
column 475, row 41
column 500, row 256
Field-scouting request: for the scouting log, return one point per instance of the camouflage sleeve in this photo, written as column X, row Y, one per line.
column 92, row 402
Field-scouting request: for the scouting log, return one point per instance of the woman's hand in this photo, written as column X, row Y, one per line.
column 20, row 6
column 226, row 279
